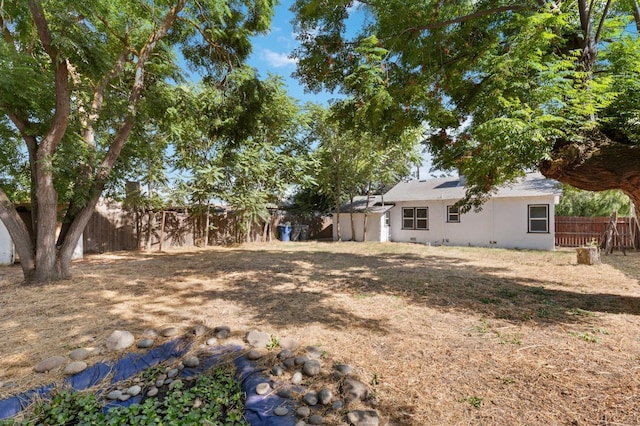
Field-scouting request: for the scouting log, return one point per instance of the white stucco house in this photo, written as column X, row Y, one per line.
column 423, row 211
column 377, row 219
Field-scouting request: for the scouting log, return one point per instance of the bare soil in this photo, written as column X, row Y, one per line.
column 442, row 335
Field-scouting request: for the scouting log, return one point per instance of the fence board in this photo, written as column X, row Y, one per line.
column 581, row 231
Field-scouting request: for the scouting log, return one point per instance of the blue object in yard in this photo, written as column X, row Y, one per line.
column 285, row 232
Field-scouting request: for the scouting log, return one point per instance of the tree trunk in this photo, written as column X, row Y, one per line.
column 597, row 164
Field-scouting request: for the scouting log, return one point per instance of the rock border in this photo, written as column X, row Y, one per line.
column 302, row 376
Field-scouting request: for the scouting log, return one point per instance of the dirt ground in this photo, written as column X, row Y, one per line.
column 442, row 335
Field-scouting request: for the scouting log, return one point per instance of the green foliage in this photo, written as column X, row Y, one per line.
column 575, row 202
column 500, row 86
column 215, row 398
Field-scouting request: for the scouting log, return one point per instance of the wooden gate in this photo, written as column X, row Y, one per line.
column 582, row 231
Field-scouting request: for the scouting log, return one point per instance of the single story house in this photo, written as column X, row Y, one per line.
column 520, row 215
column 377, row 219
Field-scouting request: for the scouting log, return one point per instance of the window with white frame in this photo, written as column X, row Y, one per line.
column 415, row 218
column 387, row 218
column 539, row 218
column 453, row 214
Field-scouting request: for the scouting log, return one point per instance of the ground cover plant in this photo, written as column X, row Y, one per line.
column 442, row 335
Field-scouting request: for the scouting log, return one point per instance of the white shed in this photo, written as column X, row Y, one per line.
column 6, row 246
column 517, row 216
column 377, row 220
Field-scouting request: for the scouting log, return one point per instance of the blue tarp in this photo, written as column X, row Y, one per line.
column 258, row 408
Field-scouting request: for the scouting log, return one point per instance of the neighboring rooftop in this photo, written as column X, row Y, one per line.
column 451, row 188
column 360, row 205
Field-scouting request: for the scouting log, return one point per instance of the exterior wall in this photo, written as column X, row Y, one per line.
column 376, row 229
column 502, row 222
column 6, row 246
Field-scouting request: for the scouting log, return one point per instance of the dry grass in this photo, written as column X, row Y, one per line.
column 444, row 336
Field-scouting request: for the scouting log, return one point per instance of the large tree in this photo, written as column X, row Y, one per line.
column 73, row 77
column 504, row 85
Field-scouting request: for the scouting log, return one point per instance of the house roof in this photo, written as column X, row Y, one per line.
column 360, row 205
column 451, row 188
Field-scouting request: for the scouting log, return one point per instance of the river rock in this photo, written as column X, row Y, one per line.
column 343, row 369
column 315, row 420
column 172, row 373
column 314, row 352
column 222, row 331
column 79, row 354
column 114, row 394
column 153, row 391
column 311, row 367
column 145, row 343
column 324, row 396
column 212, row 341
column 285, row 353
column 254, row 355
column 363, row 418
column 134, row 390
column 50, row 363
column 277, row 370
column 120, row 340
column 354, row 390
column 169, row 331
column 258, row 339
column 303, row 411
column 281, row 411
column 199, row 329
column 310, row 399
column 263, row 388
column 75, row 367
column 296, row 379
column 288, row 343
column 191, row 362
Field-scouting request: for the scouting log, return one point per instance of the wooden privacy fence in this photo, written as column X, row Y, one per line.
column 112, row 228
column 582, row 231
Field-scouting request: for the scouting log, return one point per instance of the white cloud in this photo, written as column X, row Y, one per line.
column 275, row 59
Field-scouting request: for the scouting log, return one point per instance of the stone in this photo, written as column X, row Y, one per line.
column 311, row 399
column 343, row 369
column 303, row 411
column 124, row 397
column 254, row 355
column 222, row 331
column 315, row 352
column 289, row 363
column 301, row 423
column 120, row 340
column 191, row 362
column 300, row 360
column 134, row 390
column 258, row 339
column 288, row 343
column 175, row 383
column 311, row 367
column 354, row 390
column 212, row 341
column 169, row 331
column 337, row 405
column 160, row 382
column 363, row 418
column 315, row 420
column 296, row 379
column 285, row 393
column 50, row 363
column 149, row 334
column 277, row 370
column 281, row 411
column 172, row 373
column 285, row 353
column 145, row 343
column 80, row 354
column 75, row 367
column 153, row 391
column 114, row 394
column 199, row 330
column 325, row 396
column 262, row 388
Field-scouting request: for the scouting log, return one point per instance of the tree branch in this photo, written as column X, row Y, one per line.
column 601, row 23
column 465, row 18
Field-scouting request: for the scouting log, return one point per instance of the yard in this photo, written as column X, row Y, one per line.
column 442, row 335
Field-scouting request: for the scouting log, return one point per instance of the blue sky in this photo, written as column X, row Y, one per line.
column 271, row 54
